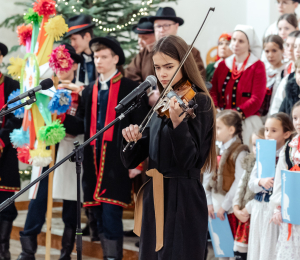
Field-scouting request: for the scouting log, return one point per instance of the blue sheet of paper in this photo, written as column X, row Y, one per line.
column 221, row 236
column 266, row 158
column 290, row 210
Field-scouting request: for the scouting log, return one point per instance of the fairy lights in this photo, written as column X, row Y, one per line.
column 142, row 12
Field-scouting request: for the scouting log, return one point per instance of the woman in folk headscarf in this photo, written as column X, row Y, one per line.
column 223, row 52
column 239, row 82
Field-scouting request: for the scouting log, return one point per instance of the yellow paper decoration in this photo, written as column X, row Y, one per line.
column 55, row 28
column 15, row 67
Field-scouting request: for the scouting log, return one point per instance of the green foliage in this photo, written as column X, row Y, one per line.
column 25, row 174
column 112, row 17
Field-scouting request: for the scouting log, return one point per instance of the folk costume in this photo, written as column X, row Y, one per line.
column 106, row 183
column 142, row 65
column 263, row 235
column 221, row 185
column 210, row 69
column 280, row 94
column 86, row 72
column 173, row 224
column 274, row 78
column 242, row 87
column 288, row 245
column 64, row 188
column 242, row 196
column 292, row 95
column 9, row 170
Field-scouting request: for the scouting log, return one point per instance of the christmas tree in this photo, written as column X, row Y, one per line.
column 114, row 17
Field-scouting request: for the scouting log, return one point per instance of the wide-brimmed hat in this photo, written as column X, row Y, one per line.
column 144, row 26
column 79, row 23
column 166, row 13
column 3, row 49
column 74, row 56
column 113, row 44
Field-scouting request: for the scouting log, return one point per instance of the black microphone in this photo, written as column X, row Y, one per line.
column 45, row 84
column 137, row 92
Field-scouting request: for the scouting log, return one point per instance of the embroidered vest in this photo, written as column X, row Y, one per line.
column 223, row 178
column 245, row 194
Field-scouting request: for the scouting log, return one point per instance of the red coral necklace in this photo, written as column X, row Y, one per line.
column 235, row 72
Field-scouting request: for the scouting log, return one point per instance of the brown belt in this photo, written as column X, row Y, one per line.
column 158, row 196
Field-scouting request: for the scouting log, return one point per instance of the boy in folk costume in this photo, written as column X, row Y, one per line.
column 9, row 170
column 220, row 187
column 106, row 182
column 80, row 34
column 63, row 175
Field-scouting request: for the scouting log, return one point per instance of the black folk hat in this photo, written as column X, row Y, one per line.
column 166, row 13
column 74, row 56
column 79, row 23
column 113, row 44
column 144, row 26
column 3, row 49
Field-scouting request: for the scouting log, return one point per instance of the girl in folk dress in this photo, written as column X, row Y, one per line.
column 220, row 186
column 273, row 47
column 288, row 245
column 289, row 52
column 280, row 93
column 242, row 196
column 263, row 234
column 287, row 23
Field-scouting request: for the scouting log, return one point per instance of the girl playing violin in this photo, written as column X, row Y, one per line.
column 171, row 215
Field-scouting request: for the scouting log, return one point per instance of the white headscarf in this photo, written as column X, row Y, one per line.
column 255, row 44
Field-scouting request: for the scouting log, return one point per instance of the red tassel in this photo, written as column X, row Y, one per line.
column 290, row 231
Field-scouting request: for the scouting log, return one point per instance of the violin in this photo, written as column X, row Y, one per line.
column 184, row 94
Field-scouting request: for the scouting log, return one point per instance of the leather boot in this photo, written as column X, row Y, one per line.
column 67, row 243
column 112, row 249
column 5, row 230
column 29, row 247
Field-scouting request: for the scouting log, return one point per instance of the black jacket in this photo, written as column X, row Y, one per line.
column 292, row 91
column 9, row 169
column 179, row 154
column 115, row 185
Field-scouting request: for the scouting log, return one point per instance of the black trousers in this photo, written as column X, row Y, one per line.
column 10, row 213
column 36, row 215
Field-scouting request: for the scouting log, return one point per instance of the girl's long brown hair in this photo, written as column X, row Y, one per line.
column 175, row 47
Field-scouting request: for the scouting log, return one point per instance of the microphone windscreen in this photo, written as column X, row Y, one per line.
column 152, row 79
column 46, row 84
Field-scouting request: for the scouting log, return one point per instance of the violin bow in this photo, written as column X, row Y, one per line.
column 169, row 86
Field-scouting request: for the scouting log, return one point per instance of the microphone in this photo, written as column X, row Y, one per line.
column 137, row 92
column 45, row 84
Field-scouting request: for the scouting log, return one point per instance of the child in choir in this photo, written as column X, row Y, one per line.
column 292, row 91
column 280, row 93
column 263, row 234
column 287, row 23
column 288, row 246
column 242, row 196
column 273, row 47
column 289, row 52
column 220, row 186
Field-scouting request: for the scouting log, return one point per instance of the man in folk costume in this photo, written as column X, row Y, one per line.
column 106, row 183
column 9, row 170
column 80, row 34
column 167, row 23
column 141, row 65
column 35, row 218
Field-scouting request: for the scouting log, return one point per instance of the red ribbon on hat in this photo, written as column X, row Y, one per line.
column 77, row 27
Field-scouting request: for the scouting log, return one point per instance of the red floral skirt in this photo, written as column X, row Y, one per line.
column 242, row 233
column 233, row 222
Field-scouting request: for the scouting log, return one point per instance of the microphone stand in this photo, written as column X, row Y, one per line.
column 77, row 157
